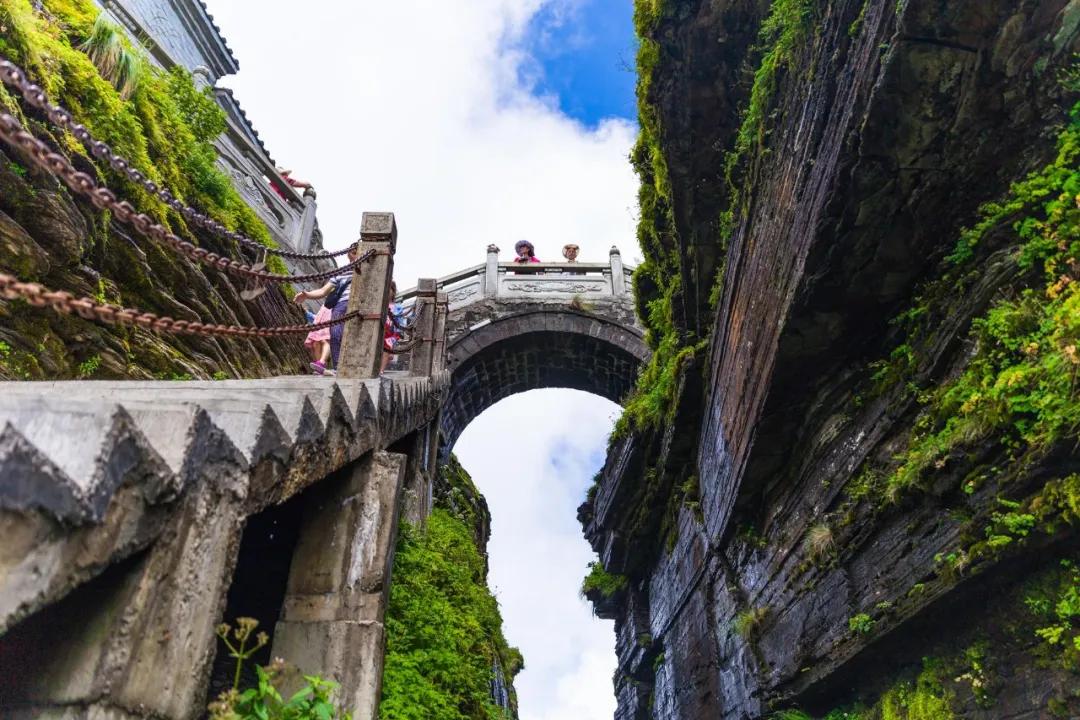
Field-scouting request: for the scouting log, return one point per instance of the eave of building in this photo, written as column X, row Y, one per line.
column 206, row 33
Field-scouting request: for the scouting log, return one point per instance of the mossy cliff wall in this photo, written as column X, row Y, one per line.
column 166, row 128
column 446, row 657
column 849, row 484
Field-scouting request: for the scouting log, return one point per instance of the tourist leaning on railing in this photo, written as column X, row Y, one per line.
column 335, row 297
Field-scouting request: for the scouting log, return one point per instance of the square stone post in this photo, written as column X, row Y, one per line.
column 618, row 275
column 339, row 582
column 423, row 352
column 438, row 332
column 306, row 226
column 491, row 272
column 362, row 342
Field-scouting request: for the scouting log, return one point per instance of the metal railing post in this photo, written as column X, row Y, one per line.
column 423, row 352
column 362, row 343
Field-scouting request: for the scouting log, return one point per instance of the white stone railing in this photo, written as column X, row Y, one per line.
column 509, row 280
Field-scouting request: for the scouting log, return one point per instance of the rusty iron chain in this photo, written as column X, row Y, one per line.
column 64, row 302
column 14, row 77
column 12, row 132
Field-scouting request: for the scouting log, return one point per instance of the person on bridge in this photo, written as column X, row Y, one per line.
column 570, row 252
column 335, row 297
column 395, row 322
column 525, row 252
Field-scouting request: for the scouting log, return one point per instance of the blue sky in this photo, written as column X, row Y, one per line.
column 583, row 52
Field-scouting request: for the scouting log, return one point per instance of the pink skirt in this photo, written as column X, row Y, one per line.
column 320, row 335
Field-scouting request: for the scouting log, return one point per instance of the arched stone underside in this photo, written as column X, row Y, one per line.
column 537, row 349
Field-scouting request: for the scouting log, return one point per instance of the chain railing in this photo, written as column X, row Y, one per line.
column 362, row 322
column 64, row 302
column 12, row 76
column 13, row 133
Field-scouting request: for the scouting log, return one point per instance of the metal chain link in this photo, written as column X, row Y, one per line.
column 12, row 132
column 14, row 77
column 65, row 302
column 402, row 347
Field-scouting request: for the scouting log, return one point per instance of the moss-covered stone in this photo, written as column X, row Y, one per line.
column 166, row 128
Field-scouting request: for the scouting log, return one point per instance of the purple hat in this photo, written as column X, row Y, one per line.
column 524, row 243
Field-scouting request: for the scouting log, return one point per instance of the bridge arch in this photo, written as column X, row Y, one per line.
column 538, row 347
column 513, row 328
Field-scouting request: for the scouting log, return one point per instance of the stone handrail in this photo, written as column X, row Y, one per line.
column 495, row 279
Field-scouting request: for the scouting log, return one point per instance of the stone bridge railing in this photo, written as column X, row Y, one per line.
column 510, row 281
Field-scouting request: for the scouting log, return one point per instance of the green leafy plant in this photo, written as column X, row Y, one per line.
column 444, row 641
column 748, row 623
column 115, row 59
column 861, row 624
column 601, row 581
column 1020, row 387
column 89, row 366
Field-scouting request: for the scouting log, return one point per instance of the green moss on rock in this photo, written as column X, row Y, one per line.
column 166, row 128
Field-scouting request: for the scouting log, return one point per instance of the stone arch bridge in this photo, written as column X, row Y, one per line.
column 513, row 328
column 136, row 516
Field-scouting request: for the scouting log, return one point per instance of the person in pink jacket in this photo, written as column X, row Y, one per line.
column 525, row 252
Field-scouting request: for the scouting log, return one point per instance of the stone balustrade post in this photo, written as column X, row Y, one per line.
column 438, row 332
column 423, row 352
column 491, row 272
column 362, row 343
column 618, row 275
column 304, row 229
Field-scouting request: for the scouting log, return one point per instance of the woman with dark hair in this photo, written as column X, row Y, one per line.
column 525, row 252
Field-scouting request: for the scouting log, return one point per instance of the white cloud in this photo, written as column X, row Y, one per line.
column 420, row 107
column 534, row 466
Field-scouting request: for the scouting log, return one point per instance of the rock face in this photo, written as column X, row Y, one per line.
column 820, row 517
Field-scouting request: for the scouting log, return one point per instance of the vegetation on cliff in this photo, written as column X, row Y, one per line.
column 1033, row 624
column 445, row 651
column 658, row 279
column 165, row 127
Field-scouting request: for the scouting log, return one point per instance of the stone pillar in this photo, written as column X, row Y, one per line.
column 362, row 343
column 491, row 272
column 143, row 638
column 423, row 352
column 302, row 240
column 618, row 275
column 416, row 498
column 332, row 619
column 438, row 332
